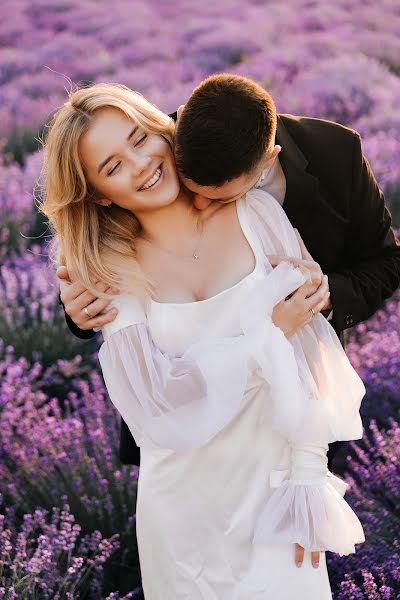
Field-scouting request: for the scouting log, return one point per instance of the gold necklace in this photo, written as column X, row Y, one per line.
column 195, row 255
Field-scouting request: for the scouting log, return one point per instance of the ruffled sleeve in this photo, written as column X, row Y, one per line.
column 307, row 506
column 306, row 502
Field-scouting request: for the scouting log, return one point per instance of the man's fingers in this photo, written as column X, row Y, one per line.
column 96, row 307
column 320, row 295
column 71, row 291
column 98, row 321
column 298, row 555
column 86, row 298
column 62, row 273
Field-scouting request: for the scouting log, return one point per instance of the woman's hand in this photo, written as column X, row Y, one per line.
column 299, row 556
column 76, row 298
column 306, row 262
column 292, row 314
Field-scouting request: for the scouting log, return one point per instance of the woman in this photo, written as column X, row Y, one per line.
column 196, row 366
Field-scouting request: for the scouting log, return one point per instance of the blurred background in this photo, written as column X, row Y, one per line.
column 67, row 505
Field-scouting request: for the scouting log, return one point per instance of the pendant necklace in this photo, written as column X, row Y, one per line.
column 195, row 255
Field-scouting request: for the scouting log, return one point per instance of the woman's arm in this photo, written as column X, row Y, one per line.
column 307, row 506
column 175, row 403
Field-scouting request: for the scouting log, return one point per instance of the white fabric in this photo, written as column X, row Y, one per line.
column 273, row 181
column 233, row 421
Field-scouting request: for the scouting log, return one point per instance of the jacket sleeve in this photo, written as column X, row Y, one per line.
column 360, row 287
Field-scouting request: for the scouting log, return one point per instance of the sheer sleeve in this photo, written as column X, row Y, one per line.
column 306, row 504
column 328, row 408
column 167, row 402
column 180, row 403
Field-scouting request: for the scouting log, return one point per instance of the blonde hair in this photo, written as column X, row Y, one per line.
column 94, row 242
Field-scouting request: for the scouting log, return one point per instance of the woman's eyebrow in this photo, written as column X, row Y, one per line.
column 104, row 162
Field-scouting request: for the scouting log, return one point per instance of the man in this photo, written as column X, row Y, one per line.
column 314, row 168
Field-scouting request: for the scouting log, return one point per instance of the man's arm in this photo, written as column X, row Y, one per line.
column 361, row 287
column 80, row 333
column 76, row 300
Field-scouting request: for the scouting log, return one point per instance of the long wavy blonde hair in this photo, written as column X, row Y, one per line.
column 94, row 242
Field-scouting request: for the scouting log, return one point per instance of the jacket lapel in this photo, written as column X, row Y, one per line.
column 306, row 206
column 301, row 187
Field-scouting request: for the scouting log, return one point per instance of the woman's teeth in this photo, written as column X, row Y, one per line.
column 153, row 180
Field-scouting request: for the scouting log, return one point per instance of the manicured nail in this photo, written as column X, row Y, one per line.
column 298, row 564
column 315, row 565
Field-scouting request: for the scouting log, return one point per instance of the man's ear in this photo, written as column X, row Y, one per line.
column 179, row 111
column 272, row 156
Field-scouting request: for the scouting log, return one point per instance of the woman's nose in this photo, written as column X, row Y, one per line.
column 140, row 163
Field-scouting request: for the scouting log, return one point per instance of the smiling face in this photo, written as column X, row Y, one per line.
column 127, row 165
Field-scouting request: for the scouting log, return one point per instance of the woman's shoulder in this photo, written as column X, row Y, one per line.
column 268, row 219
column 261, row 205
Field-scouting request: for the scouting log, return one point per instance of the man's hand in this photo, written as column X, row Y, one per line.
column 76, row 298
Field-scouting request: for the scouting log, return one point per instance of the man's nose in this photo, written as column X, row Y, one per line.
column 201, row 202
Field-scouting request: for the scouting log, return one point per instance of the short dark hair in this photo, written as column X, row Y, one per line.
column 224, row 130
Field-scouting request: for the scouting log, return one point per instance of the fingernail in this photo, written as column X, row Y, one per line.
column 315, row 565
column 298, row 564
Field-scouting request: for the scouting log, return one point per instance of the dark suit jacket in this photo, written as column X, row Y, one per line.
column 332, row 198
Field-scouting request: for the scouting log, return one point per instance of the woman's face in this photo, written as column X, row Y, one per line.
column 127, row 166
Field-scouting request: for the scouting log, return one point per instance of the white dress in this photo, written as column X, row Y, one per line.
column 234, row 421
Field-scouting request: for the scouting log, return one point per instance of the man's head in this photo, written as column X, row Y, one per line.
column 225, row 137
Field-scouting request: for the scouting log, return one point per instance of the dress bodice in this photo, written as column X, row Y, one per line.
column 175, row 326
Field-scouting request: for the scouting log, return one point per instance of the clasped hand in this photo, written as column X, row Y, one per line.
column 294, row 312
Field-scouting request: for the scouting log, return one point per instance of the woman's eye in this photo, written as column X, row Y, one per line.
column 144, row 136
column 113, row 169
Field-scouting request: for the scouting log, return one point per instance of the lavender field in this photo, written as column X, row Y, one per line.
column 67, row 505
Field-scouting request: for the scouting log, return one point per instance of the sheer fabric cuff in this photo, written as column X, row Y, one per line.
column 307, row 507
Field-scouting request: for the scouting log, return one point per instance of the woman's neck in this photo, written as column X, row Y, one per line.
column 175, row 226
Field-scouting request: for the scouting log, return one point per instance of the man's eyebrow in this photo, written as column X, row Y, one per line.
column 104, row 162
